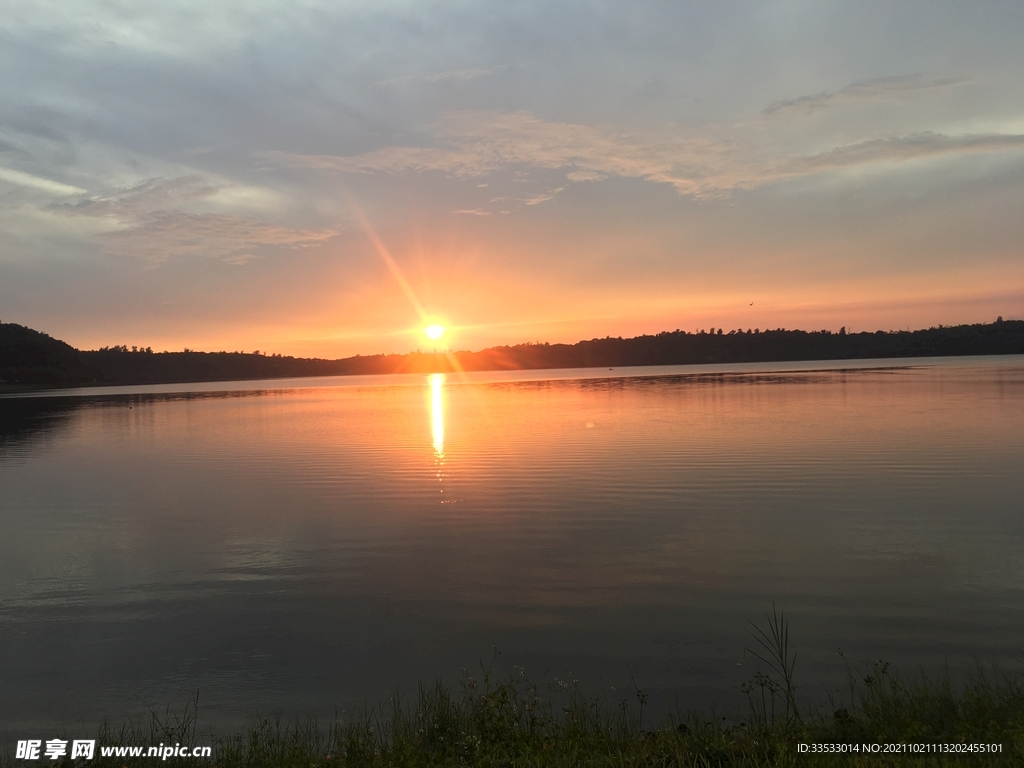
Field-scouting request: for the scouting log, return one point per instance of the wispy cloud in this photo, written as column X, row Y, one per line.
column 901, row 148
column 543, row 197
column 476, row 144
column 584, row 176
column 38, row 182
column 897, row 86
column 147, row 197
column 150, row 225
column 230, row 238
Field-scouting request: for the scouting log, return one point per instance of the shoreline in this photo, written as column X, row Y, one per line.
column 496, row 376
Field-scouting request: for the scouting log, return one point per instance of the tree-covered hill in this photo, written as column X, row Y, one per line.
column 683, row 348
column 29, row 358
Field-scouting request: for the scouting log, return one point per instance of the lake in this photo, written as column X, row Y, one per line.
column 307, row 546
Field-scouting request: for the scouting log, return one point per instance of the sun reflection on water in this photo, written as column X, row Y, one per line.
column 437, row 413
column 437, row 424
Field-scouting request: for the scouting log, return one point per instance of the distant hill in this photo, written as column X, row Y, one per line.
column 32, row 359
column 683, row 348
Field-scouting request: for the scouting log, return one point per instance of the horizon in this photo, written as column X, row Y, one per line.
column 331, row 180
column 711, row 330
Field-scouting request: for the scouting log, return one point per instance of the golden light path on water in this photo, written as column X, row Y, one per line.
column 437, row 422
column 437, row 413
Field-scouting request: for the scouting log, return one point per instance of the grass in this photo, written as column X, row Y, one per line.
column 505, row 721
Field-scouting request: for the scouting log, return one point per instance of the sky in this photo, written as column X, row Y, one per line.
column 328, row 178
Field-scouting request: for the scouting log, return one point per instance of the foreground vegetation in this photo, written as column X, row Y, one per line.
column 506, row 721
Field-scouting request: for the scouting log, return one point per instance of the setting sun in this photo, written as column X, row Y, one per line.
column 434, row 332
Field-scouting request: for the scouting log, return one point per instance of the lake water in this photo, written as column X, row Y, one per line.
column 310, row 545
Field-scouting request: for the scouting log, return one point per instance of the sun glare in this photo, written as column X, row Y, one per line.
column 434, row 332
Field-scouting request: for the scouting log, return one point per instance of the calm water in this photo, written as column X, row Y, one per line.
column 310, row 545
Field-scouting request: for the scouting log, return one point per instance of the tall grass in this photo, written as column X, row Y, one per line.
column 505, row 720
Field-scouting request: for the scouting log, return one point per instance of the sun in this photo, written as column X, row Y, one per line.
column 434, row 332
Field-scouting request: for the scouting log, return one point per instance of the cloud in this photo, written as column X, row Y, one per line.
column 147, row 197
column 229, row 238
column 543, row 197
column 584, row 176
column 895, row 86
column 150, row 225
column 901, row 149
column 38, row 182
column 477, row 143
